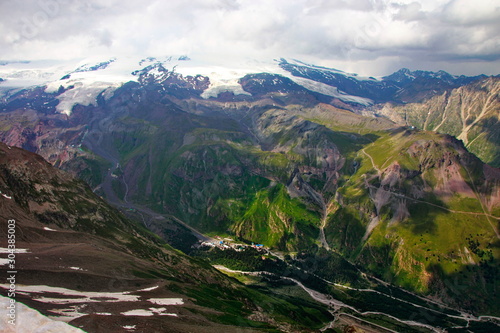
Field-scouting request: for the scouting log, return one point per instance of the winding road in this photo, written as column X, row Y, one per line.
column 337, row 305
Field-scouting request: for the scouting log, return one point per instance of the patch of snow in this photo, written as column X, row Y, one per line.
column 327, row 90
column 103, row 313
column 5, row 195
column 221, row 86
column 149, row 312
column 30, row 320
column 156, row 73
column 224, row 76
column 149, row 289
column 17, row 250
column 84, row 296
column 68, row 314
column 76, row 268
column 84, row 92
column 4, row 261
column 48, row 229
column 158, row 310
column 129, row 327
column 221, row 81
column 166, row 301
column 53, row 300
column 138, row 312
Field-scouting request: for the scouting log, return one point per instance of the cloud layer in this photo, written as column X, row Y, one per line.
column 368, row 36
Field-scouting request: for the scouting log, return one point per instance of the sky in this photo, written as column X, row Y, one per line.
column 369, row 37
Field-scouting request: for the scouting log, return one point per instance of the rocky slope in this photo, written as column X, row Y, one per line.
column 471, row 113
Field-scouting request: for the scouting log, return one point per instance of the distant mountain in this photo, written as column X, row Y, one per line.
column 405, row 76
column 401, row 86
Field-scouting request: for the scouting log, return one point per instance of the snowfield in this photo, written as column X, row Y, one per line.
column 85, row 80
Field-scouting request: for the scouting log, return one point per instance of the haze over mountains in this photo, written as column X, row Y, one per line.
column 367, row 183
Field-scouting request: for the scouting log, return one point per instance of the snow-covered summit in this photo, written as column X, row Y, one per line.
column 82, row 81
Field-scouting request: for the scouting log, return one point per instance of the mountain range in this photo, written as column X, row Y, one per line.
column 388, row 184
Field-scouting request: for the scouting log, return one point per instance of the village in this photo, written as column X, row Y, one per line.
column 228, row 243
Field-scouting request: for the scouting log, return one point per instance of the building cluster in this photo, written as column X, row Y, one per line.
column 228, row 243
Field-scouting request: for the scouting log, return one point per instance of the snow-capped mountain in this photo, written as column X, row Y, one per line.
column 82, row 82
column 405, row 76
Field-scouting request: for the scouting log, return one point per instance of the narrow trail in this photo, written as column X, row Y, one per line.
column 435, row 205
column 336, row 304
column 373, row 162
column 484, row 213
column 476, row 193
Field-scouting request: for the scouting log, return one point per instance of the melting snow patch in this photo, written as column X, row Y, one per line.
column 6, row 196
column 4, row 261
column 149, row 312
column 129, row 327
column 53, row 300
column 82, row 296
column 327, row 90
column 6, row 250
column 68, row 314
column 219, row 85
column 148, row 289
column 138, row 312
column 48, row 229
column 77, row 268
column 166, row 301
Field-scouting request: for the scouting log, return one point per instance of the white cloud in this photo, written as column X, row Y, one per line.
column 461, row 34
column 472, row 12
column 410, row 12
